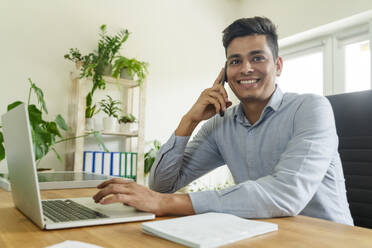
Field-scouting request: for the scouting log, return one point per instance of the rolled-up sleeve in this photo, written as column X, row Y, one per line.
column 179, row 162
column 295, row 178
column 168, row 163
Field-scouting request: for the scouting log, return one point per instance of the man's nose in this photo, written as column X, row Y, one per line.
column 246, row 67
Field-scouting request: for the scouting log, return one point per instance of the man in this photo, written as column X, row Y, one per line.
column 280, row 148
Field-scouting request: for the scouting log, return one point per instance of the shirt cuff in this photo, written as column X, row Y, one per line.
column 212, row 201
column 178, row 143
column 205, row 201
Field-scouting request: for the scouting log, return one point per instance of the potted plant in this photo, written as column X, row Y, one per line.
column 45, row 134
column 90, row 111
column 2, row 149
column 125, row 122
column 110, row 107
column 150, row 157
column 95, row 63
column 129, row 68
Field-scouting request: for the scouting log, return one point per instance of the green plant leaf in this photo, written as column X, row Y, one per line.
column 103, row 28
column 127, row 118
column 13, row 105
column 40, row 147
column 148, row 164
column 34, row 115
column 89, row 99
column 43, row 133
column 157, row 145
column 61, row 122
column 2, row 148
column 74, row 55
column 99, row 139
column 57, row 155
column 110, row 106
column 51, row 127
column 133, row 67
column 40, row 96
column 150, row 156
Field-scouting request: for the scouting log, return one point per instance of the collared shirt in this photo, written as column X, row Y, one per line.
column 285, row 164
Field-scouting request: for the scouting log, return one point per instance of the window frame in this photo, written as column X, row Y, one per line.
column 305, row 48
column 331, row 39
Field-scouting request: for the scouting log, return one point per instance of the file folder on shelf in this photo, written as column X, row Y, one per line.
column 122, row 164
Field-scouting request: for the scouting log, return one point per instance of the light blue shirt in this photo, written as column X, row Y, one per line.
column 285, row 164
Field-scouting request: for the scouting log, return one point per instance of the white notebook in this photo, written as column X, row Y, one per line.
column 207, row 230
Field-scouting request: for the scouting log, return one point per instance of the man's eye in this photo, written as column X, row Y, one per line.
column 234, row 62
column 258, row 59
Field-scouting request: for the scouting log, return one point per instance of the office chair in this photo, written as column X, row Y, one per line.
column 353, row 116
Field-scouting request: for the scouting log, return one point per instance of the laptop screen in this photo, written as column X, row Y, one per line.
column 21, row 163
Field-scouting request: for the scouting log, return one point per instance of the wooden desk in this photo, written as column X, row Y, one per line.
column 300, row 231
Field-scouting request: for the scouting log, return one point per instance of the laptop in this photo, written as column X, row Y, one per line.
column 62, row 180
column 58, row 213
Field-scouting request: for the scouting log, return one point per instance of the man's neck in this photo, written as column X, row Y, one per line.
column 253, row 109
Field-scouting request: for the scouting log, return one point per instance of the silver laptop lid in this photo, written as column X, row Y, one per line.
column 21, row 163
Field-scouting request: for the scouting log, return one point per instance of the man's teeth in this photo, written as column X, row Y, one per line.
column 249, row 81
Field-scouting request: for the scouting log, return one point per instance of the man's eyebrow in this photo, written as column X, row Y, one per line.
column 254, row 52
column 251, row 53
column 233, row 56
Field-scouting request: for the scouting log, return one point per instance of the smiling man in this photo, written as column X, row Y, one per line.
column 281, row 149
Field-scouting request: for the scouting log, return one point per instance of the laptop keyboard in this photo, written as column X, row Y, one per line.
column 67, row 210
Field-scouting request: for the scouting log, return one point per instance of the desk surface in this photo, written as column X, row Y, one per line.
column 300, row 231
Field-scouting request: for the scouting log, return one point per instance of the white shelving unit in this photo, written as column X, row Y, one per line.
column 80, row 89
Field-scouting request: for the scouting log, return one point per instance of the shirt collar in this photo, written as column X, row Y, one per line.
column 276, row 99
column 274, row 103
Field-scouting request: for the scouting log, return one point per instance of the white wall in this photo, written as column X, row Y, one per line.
column 294, row 16
column 180, row 39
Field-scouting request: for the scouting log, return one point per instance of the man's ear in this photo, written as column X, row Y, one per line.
column 278, row 65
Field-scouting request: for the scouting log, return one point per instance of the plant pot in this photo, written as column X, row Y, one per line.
column 109, row 124
column 78, row 65
column 89, row 124
column 125, row 127
column 108, row 70
column 125, row 74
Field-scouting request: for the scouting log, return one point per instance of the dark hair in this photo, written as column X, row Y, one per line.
column 252, row 26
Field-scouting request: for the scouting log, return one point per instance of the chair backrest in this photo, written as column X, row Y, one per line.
column 353, row 116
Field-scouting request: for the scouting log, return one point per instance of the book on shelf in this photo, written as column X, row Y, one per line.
column 118, row 164
column 207, row 230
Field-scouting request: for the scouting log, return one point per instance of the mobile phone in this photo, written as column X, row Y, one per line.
column 223, row 80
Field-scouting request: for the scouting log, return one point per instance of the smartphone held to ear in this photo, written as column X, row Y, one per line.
column 223, row 80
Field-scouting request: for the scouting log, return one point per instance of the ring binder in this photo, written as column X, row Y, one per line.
column 121, row 164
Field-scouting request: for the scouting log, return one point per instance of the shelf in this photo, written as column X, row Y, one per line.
column 77, row 119
column 125, row 134
column 111, row 80
column 122, row 81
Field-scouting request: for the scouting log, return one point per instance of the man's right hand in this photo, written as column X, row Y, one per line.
column 209, row 103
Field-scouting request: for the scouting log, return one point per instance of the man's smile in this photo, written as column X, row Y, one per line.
column 248, row 81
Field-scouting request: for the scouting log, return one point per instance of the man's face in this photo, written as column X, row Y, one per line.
column 251, row 69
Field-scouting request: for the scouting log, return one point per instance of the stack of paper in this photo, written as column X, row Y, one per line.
column 207, row 230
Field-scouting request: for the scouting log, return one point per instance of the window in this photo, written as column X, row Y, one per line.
column 331, row 59
column 303, row 74
column 357, row 66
